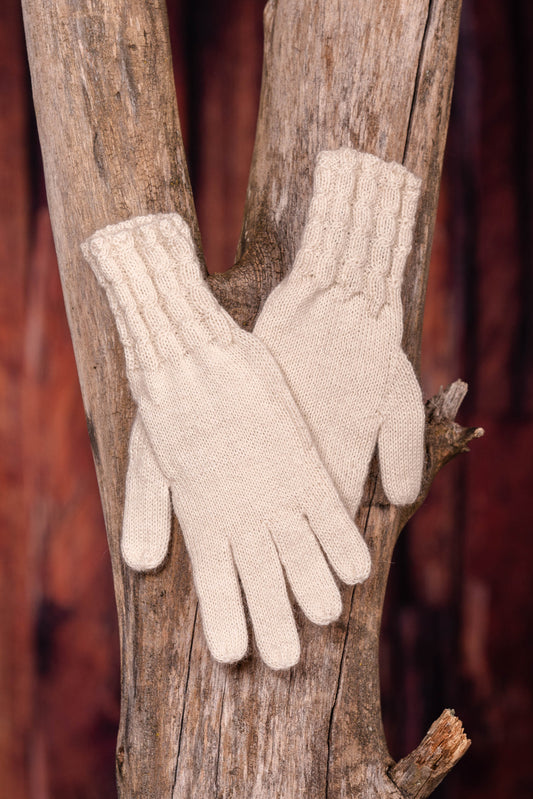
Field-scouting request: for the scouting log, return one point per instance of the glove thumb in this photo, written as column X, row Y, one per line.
column 401, row 437
column 147, row 517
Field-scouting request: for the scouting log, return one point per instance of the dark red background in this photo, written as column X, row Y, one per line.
column 459, row 614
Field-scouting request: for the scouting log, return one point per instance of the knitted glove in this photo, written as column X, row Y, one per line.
column 335, row 325
column 217, row 423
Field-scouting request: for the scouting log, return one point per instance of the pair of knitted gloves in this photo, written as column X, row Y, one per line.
column 263, row 440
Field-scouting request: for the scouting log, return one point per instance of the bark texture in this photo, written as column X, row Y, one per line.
column 419, row 773
column 376, row 75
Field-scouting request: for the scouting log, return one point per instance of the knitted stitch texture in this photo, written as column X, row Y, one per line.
column 335, row 324
column 217, row 423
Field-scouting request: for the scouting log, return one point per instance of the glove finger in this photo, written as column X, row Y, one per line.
column 401, row 437
column 220, row 599
column 268, row 602
column 147, row 516
column 307, row 571
column 340, row 539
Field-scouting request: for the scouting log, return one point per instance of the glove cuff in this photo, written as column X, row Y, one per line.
column 105, row 249
column 360, row 223
column 152, row 277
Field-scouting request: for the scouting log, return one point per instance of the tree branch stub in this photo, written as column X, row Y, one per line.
column 418, row 774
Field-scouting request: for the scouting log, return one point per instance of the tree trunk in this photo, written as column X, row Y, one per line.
column 372, row 74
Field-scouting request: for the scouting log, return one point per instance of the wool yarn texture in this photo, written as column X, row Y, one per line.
column 217, row 424
column 335, row 324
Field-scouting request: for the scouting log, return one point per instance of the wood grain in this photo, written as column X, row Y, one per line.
column 373, row 75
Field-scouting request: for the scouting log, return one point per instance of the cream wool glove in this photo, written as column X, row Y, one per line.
column 335, row 324
column 217, row 424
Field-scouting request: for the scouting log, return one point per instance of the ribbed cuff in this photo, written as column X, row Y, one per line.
column 360, row 222
column 168, row 234
column 152, row 277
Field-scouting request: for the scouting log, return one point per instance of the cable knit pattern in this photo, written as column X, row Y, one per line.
column 218, row 425
column 335, row 325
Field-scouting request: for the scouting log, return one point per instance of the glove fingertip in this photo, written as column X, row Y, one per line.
column 231, row 649
column 358, row 570
column 143, row 555
column 284, row 656
column 403, row 492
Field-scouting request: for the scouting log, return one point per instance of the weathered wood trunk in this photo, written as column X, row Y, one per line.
column 372, row 74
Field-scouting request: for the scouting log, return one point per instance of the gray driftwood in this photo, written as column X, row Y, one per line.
column 373, row 74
